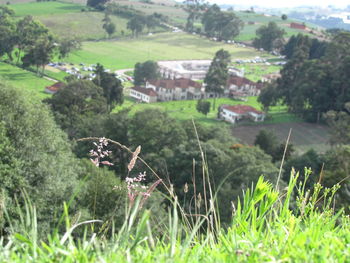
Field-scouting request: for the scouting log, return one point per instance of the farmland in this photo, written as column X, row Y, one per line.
column 123, row 54
column 304, row 135
column 69, row 19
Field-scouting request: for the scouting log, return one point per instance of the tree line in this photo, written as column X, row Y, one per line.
column 30, row 42
column 315, row 79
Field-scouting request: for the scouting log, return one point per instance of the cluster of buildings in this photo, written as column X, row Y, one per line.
column 181, row 80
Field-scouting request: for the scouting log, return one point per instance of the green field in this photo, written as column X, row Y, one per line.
column 45, row 8
column 186, row 110
column 123, row 54
column 67, row 19
column 24, row 80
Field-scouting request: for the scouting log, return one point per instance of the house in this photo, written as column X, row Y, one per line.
column 237, row 84
column 235, row 113
column 54, row 88
column 297, row 26
column 143, row 94
column 176, row 89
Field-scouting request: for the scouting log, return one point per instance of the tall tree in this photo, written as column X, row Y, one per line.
column 145, row 71
column 111, row 86
column 136, row 24
column 219, row 24
column 40, row 53
column 216, row 78
column 68, row 45
column 28, row 31
column 269, row 37
column 99, row 4
column 45, row 165
column 108, row 25
column 203, row 107
column 7, row 32
column 72, row 103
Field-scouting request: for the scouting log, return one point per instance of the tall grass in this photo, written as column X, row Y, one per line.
column 266, row 227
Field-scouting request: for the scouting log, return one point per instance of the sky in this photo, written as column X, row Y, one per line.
column 284, row 3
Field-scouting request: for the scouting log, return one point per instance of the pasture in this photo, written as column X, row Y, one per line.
column 69, row 19
column 25, row 80
column 304, row 135
column 125, row 53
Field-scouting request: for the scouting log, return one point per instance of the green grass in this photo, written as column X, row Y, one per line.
column 186, row 110
column 24, row 80
column 255, row 72
column 67, row 19
column 45, row 8
column 264, row 229
column 123, row 54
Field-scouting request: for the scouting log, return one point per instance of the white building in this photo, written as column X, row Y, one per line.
column 188, row 69
column 143, row 94
column 235, row 113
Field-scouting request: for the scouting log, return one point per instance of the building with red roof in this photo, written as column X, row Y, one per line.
column 241, row 85
column 234, row 113
column 176, row 89
column 144, row 94
column 54, row 88
column 297, row 26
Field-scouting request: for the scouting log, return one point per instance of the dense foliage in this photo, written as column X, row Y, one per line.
column 221, row 25
column 312, row 87
column 145, row 71
column 269, row 37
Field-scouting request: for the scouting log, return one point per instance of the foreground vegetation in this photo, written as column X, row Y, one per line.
column 263, row 229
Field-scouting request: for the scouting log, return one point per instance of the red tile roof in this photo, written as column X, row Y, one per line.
column 297, row 25
column 175, row 83
column 149, row 92
column 55, row 87
column 239, row 81
column 241, row 109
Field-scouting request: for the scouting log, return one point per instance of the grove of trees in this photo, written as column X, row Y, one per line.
column 269, row 37
column 311, row 85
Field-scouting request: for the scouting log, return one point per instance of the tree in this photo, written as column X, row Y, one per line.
column 40, row 53
column 145, row 71
column 340, row 125
column 284, row 17
column 37, row 152
column 111, row 86
column 136, row 24
column 108, row 25
column 267, row 141
column 203, row 107
column 7, row 32
column 311, row 88
column 221, row 25
column 28, row 32
column 216, row 78
column 154, row 130
column 151, row 21
column 269, row 37
column 68, row 45
column 96, row 3
column 74, row 102
column 267, row 96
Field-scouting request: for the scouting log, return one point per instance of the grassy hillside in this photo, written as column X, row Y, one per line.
column 70, row 19
column 25, row 80
column 166, row 46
